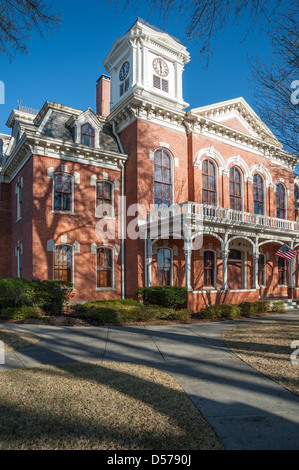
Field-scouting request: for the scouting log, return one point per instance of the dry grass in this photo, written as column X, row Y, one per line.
column 14, row 339
column 103, row 406
column 267, row 348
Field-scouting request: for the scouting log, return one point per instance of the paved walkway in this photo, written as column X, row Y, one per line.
column 246, row 409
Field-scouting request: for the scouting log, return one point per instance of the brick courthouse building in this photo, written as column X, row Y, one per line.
column 67, row 175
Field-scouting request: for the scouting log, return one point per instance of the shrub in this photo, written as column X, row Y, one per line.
column 278, row 307
column 15, row 292
column 166, row 296
column 179, row 315
column 117, row 311
column 125, row 311
column 262, row 306
column 52, row 295
column 220, row 311
column 247, row 309
column 18, row 313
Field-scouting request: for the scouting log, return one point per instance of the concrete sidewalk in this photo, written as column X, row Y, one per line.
column 247, row 410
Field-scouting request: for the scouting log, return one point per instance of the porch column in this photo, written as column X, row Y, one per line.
column 291, row 270
column 225, row 253
column 149, row 263
column 255, row 257
column 188, row 253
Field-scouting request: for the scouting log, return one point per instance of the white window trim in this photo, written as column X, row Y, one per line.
column 73, row 261
column 171, row 261
column 214, row 286
column 172, row 160
column 110, row 217
column 19, row 188
column 100, row 289
column 70, row 212
column 19, row 253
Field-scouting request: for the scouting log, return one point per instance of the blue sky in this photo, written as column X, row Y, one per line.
column 64, row 67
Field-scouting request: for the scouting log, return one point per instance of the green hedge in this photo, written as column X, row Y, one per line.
column 18, row 313
column 125, row 311
column 220, row 311
column 166, row 296
column 246, row 309
column 49, row 295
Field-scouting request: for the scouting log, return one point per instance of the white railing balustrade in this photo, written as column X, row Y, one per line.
column 221, row 214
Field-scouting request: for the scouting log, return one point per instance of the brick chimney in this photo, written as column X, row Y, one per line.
column 103, row 95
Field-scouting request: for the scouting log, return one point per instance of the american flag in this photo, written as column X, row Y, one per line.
column 286, row 252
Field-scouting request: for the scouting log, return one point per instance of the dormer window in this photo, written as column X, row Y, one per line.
column 87, row 135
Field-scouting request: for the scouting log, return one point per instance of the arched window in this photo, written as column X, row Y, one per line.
column 63, row 188
column 209, row 268
column 63, row 263
column 258, row 194
column 235, row 254
column 104, row 267
column 87, row 135
column 235, row 189
column 162, row 184
column 164, row 267
column 209, row 194
column 280, row 201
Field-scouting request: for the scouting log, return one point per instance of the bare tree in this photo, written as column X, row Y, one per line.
column 205, row 19
column 275, row 84
column 278, row 20
column 18, row 18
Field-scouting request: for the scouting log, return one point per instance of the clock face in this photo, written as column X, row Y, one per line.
column 160, row 67
column 124, row 70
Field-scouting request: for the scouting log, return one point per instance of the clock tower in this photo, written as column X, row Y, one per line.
column 146, row 67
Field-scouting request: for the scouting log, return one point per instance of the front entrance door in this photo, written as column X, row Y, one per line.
column 234, row 270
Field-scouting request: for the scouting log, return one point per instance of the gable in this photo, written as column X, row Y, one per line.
column 238, row 115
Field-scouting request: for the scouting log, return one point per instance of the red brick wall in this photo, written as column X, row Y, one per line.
column 79, row 227
column 21, row 230
column 5, row 230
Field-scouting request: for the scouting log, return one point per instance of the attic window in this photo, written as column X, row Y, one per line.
column 87, row 135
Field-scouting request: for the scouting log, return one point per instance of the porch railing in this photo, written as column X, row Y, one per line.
column 221, row 214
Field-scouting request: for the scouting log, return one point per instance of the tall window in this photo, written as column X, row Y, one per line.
column 62, row 192
column 87, row 135
column 296, row 191
column 261, row 270
column 209, row 268
column 104, row 267
column 162, row 184
column 63, row 263
column 235, row 189
column 164, row 267
column 281, row 271
column 280, row 201
column 258, row 194
column 19, row 261
column 104, row 202
column 19, row 191
column 208, row 183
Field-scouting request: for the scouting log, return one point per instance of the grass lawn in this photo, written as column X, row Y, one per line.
column 103, row 406
column 266, row 347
